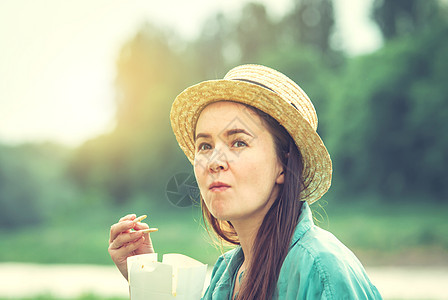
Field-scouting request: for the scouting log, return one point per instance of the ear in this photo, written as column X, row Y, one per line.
column 280, row 178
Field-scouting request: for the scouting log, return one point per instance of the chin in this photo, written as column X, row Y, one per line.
column 221, row 213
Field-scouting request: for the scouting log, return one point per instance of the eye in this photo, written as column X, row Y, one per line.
column 239, row 144
column 204, row 146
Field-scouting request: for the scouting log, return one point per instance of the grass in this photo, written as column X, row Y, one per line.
column 393, row 233
column 82, row 237
column 378, row 234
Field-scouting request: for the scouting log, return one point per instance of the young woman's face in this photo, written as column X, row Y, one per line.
column 235, row 164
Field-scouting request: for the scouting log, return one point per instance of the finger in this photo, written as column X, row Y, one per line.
column 118, row 228
column 125, row 238
column 140, row 226
column 129, row 217
column 124, row 252
column 131, row 247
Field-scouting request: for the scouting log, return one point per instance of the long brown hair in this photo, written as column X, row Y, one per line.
column 275, row 233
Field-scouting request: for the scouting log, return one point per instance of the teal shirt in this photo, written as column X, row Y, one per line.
column 317, row 266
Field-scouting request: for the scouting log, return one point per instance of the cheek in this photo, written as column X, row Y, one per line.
column 247, row 176
column 258, row 178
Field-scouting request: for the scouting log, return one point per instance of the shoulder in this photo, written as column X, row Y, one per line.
column 321, row 262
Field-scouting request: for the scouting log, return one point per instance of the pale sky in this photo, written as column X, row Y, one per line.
column 57, row 58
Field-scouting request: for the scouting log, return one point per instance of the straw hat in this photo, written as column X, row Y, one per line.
column 271, row 92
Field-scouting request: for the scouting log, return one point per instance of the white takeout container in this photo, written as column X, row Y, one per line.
column 177, row 277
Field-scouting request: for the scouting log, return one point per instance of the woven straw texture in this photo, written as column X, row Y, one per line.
column 283, row 99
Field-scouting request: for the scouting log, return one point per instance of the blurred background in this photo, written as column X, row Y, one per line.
column 85, row 93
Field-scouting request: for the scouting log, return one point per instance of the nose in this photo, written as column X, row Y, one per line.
column 218, row 161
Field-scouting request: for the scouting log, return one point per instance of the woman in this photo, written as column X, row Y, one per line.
column 259, row 163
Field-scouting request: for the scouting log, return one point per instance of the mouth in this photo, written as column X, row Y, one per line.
column 218, row 186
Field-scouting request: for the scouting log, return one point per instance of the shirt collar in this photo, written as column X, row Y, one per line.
column 235, row 260
column 304, row 224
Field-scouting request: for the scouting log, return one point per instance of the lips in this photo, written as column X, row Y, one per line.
column 217, row 185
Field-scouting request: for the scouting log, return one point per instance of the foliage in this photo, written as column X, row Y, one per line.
column 141, row 154
column 396, row 18
column 33, row 183
column 311, row 23
column 388, row 108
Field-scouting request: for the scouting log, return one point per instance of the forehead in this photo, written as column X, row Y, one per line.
column 227, row 114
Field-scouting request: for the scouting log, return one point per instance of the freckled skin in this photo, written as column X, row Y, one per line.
column 246, row 162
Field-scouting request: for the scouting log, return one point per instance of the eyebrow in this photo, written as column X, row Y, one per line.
column 227, row 134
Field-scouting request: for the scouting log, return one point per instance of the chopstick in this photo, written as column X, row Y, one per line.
column 141, row 218
column 149, row 230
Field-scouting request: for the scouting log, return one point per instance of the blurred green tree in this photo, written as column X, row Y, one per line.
column 33, row 184
column 213, row 50
column 311, row 23
column 400, row 17
column 389, row 114
column 140, row 155
column 255, row 32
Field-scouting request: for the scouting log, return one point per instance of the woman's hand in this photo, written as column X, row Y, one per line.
column 124, row 243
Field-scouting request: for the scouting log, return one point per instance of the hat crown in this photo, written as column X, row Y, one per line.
column 279, row 83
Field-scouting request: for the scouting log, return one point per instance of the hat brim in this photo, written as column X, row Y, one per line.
column 188, row 105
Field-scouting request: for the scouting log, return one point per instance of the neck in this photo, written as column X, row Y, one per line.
column 247, row 232
column 247, row 229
